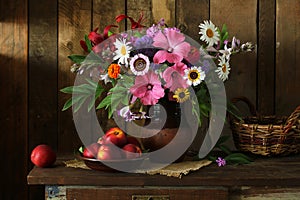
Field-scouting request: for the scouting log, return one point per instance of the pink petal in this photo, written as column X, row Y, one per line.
column 174, row 57
column 160, row 41
column 167, row 75
column 180, row 67
column 138, row 91
column 160, row 56
column 174, row 38
column 157, row 91
column 153, row 78
column 182, row 49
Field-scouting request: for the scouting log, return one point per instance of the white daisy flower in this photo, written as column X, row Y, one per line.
column 209, row 33
column 122, row 51
column 139, row 64
column 223, row 69
column 194, row 75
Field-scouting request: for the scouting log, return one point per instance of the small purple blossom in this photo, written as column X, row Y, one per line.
column 161, row 22
column 143, row 42
column 154, row 66
column 153, row 30
column 221, row 162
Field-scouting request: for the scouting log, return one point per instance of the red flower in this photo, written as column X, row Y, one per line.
column 96, row 38
column 134, row 24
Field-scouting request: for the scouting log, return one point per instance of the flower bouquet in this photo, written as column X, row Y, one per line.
column 131, row 73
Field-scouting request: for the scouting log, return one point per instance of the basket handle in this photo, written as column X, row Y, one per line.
column 292, row 119
column 248, row 102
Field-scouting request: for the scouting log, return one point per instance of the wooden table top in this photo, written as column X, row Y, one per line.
column 283, row 171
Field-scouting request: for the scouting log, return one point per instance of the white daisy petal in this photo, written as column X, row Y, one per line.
column 223, row 69
column 209, row 33
column 122, row 51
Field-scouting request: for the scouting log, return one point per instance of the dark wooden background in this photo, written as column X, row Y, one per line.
column 36, row 37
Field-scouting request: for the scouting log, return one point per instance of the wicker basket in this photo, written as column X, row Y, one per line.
column 266, row 135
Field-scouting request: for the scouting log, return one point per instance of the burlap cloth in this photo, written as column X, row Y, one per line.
column 175, row 169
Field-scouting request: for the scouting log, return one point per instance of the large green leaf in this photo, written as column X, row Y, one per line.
column 77, row 58
column 105, row 102
column 88, row 43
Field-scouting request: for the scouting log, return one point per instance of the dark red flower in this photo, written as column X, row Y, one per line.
column 134, row 24
column 96, row 38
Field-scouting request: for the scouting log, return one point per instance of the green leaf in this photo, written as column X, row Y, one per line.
column 81, row 149
column 225, row 36
column 78, row 89
column 92, row 83
column 223, row 139
column 238, row 158
column 68, row 90
column 225, row 149
column 68, row 104
column 77, row 58
column 78, row 105
column 88, row 43
column 105, row 102
column 93, row 99
column 224, row 29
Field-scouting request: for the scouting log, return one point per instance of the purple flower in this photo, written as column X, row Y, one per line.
column 161, row 22
column 143, row 42
column 153, row 30
column 221, row 162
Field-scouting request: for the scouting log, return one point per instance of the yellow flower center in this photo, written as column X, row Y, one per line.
column 224, row 68
column 123, row 50
column 209, row 33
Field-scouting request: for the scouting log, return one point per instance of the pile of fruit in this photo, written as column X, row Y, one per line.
column 115, row 144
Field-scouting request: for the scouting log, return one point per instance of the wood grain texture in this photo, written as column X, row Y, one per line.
column 42, row 76
column 287, row 56
column 74, row 22
column 266, row 57
column 282, row 172
column 136, row 7
column 164, row 9
column 190, row 193
column 14, row 99
column 189, row 17
column 240, row 18
column 104, row 13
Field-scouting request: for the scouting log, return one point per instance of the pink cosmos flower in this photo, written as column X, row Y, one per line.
column 148, row 88
column 173, row 45
column 173, row 77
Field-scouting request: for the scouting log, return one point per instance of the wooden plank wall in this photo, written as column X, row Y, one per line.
column 36, row 38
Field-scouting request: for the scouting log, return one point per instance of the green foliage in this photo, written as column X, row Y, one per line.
column 227, row 154
column 77, row 58
column 88, row 43
column 81, row 93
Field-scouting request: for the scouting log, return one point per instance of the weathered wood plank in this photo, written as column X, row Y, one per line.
column 136, row 193
column 104, row 13
column 287, row 56
column 240, row 18
column 14, row 98
column 189, row 17
column 262, row 172
column 136, row 7
column 74, row 22
column 42, row 73
column 164, row 9
column 266, row 57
